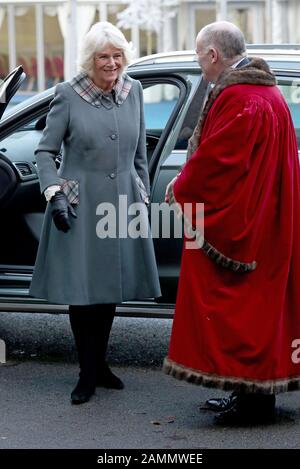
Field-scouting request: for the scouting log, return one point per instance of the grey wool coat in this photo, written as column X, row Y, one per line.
column 104, row 149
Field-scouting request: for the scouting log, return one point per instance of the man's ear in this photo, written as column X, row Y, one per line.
column 213, row 55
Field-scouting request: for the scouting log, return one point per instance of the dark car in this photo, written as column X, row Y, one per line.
column 174, row 91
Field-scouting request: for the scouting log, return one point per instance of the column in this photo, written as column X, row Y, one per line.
column 258, row 25
column 166, row 32
column 135, row 37
column 40, row 56
column 71, row 41
column 190, row 32
column 12, row 59
column 103, row 11
column 269, row 20
column 182, row 22
column 222, row 12
column 279, row 22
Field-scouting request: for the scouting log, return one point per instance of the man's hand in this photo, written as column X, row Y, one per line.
column 60, row 209
column 168, row 187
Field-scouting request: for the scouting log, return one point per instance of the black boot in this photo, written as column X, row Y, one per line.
column 105, row 377
column 82, row 392
column 83, row 324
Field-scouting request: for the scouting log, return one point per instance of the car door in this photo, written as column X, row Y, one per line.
column 164, row 165
column 21, row 212
column 8, row 88
column 290, row 88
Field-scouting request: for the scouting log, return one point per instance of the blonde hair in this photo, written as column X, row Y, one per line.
column 98, row 37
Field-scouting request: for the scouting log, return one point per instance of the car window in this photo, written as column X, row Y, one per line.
column 291, row 91
column 160, row 99
column 192, row 115
column 159, row 102
column 20, row 144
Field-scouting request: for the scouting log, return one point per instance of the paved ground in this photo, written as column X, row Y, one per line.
column 153, row 411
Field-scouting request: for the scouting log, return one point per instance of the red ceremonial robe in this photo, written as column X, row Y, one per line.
column 239, row 330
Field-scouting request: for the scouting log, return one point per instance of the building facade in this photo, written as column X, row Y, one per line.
column 44, row 35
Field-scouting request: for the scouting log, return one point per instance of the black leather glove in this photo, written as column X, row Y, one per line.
column 60, row 209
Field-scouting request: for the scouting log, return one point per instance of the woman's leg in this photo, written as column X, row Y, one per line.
column 105, row 315
column 83, row 322
column 91, row 326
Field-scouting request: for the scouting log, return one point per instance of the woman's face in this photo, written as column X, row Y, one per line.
column 108, row 65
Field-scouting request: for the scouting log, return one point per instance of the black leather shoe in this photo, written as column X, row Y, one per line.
column 82, row 392
column 219, row 404
column 249, row 409
column 107, row 379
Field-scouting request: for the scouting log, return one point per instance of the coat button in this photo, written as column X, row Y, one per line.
column 112, row 175
column 113, row 136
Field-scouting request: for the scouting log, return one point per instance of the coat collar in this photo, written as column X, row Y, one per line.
column 87, row 90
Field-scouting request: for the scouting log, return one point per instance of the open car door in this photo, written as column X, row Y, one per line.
column 9, row 86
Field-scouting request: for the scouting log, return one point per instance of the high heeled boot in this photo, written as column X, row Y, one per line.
column 84, row 327
column 105, row 377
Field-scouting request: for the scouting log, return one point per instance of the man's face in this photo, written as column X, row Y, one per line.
column 207, row 59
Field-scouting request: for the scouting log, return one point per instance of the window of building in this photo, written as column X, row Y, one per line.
column 148, row 43
column 26, row 45
column 243, row 18
column 204, row 16
column 53, row 49
column 3, row 43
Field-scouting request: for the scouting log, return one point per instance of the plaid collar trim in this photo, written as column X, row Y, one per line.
column 86, row 88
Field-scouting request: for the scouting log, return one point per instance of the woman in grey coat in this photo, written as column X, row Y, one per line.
column 91, row 255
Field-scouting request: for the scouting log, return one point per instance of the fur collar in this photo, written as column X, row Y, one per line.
column 256, row 72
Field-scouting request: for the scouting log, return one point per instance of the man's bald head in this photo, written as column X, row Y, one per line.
column 219, row 45
column 224, row 36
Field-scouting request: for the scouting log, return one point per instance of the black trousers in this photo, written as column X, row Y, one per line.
column 91, row 326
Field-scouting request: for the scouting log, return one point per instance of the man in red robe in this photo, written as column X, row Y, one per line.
column 237, row 316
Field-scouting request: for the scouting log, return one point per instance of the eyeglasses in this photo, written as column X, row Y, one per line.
column 105, row 58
